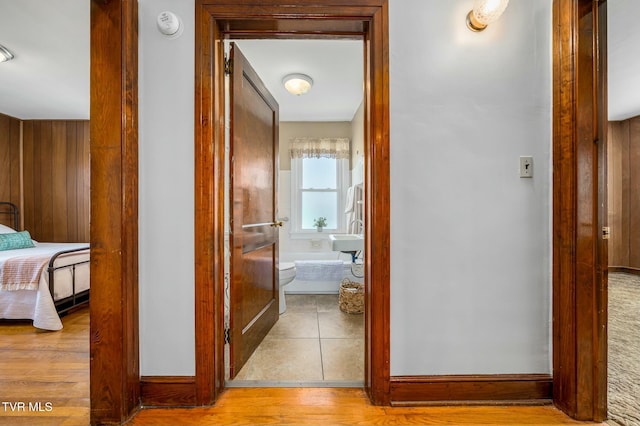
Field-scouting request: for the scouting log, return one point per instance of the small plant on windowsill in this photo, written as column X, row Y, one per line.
column 320, row 223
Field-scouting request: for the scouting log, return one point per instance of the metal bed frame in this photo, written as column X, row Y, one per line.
column 76, row 299
column 10, row 209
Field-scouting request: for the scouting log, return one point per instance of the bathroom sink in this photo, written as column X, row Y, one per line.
column 346, row 242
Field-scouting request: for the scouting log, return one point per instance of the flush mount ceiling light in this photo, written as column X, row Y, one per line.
column 485, row 12
column 5, row 55
column 297, row 84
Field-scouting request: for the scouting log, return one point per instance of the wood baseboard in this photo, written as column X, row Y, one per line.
column 168, row 391
column 484, row 389
column 625, row 269
column 180, row 391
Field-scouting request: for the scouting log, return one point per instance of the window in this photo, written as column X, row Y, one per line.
column 319, row 180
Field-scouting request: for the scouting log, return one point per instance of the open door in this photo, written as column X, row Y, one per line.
column 253, row 195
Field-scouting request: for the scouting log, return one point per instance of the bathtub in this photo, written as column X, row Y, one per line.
column 318, row 287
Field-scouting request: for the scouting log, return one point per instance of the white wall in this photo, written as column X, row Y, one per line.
column 166, row 164
column 357, row 146
column 470, row 239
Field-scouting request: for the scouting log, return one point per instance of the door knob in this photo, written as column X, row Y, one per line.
column 277, row 223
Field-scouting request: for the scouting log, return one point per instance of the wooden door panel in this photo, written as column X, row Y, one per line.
column 259, row 307
column 254, row 238
column 254, row 132
column 257, row 283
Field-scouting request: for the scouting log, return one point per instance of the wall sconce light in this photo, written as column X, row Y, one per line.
column 297, row 84
column 485, row 12
column 5, row 55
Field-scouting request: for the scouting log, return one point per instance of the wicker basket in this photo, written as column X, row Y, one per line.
column 351, row 298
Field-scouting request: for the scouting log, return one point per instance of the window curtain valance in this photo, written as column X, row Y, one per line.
column 338, row 148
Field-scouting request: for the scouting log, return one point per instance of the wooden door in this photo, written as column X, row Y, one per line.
column 254, row 229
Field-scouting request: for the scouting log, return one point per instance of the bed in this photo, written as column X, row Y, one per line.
column 42, row 282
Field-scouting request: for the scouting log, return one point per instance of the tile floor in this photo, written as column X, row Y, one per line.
column 312, row 341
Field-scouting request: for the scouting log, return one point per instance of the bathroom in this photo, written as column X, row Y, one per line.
column 314, row 342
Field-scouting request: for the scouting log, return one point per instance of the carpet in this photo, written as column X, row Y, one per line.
column 624, row 349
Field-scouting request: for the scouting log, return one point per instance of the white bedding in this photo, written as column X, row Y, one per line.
column 38, row 304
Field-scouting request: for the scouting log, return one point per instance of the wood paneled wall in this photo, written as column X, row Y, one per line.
column 56, row 173
column 624, row 193
column 9, row 162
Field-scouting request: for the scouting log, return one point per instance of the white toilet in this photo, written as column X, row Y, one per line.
column 287, row 274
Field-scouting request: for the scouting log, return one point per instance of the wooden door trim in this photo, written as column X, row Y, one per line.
column 209, row 209
column 601, row 297
column 579, row 303
column 288, row 19
column 114, row 341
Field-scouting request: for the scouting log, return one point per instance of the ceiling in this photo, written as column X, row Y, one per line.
column 49, row 77
column 623, row 38
column 336, row 67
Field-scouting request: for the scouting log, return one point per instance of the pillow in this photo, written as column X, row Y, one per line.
column 15, row 240
column 5, row 229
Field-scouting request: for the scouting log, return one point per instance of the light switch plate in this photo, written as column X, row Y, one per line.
column 526, row 167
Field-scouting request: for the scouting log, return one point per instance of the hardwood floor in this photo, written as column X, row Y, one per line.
column 344, row 406
column 44, row 375
column 53, row 367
